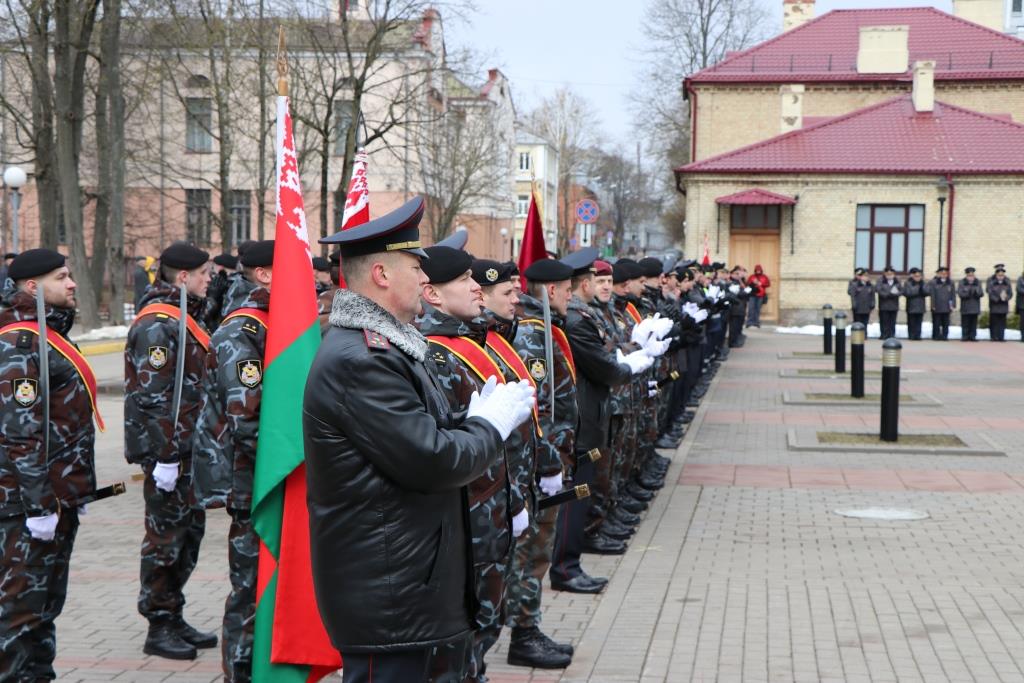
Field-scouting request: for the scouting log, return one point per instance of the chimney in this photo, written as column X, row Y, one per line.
column 792, row 107
column 883, row 50
column 924, row 87
column 988, row 13
column 796, row 13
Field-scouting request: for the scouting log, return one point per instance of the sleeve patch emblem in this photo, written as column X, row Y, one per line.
column 157, row 357
column 538, row 369
column 250, row 372
column 26, row 390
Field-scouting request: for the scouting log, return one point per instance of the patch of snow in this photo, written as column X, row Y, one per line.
column 102, row 333
column 885, row 514
column 874, row 330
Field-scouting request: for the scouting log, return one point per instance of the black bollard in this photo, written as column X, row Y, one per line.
column 840, row 342
column 857, row 333
column 826, row 314
column 891, row 350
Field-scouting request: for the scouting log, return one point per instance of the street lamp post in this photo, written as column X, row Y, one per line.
column 14, row 179
column 943, row 188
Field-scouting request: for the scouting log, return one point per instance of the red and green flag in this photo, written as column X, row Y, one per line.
column 290, row 643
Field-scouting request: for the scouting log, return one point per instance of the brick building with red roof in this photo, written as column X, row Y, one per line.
column 850, row 141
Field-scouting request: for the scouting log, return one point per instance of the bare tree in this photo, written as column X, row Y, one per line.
column 567, row 121
column 625, row 192
column 462, row 163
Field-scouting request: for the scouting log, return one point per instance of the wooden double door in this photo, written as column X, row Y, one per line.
column 748, row 248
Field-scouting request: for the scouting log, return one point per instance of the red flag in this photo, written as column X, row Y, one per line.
column 706, row 261
column 357, row 203
column 532, row 248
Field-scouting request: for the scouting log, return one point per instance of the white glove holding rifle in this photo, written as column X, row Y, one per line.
column 661, row 326
column 642, row 330
column 551, row 485
column 504, row 406
column 656, row 347
column 638, row 361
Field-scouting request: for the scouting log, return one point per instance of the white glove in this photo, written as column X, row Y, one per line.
column 42, row 528
column 735, row 289
column 504, row 406
column 638, row 361
column 690, row 309
column 520, row 522
column 651, row 393
column 165, row 474
column 551, row 485
column 701, row 315
column 746, row 290
column 661, row 326
column 82, row 510
column 714, row 292
column 656, row 347
column 642, row 330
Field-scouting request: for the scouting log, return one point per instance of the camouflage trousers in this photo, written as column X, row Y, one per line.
column 493, row 546
column 33, row 586
column 624, row 443
column 530, row 563
column 240, row 607
column 170, row 548
column 604, row 487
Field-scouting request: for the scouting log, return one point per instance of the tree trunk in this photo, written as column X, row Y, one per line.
column 71, row 42
column 261, row 172
column 325, row 165
column 42, row 126
column 111, row 66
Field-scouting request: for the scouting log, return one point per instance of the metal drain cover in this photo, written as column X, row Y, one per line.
column 885, row 514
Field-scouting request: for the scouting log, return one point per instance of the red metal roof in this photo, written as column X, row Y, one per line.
column 825, row 49
column 889, row 137
column 755, row 196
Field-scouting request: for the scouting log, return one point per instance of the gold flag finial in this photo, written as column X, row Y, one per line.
column 282, row 64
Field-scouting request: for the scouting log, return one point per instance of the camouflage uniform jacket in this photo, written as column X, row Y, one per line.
column 224, row 449
column 556, row 448
column 636, row 394
column 150, row 357
column 521, row 445
column 32, row 482
column 488, row 493
column 324, row 301
column 615, row 327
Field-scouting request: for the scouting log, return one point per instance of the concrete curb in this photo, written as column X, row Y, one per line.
column 978, row 444
column 799, row 398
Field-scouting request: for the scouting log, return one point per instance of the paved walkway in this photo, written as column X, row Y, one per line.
column 741, row 571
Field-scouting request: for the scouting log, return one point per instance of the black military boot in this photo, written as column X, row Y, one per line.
column 563, row 648
column 599, row 544
column 622, row 516
column 529, row 648
column 163, row 640
column 194, row 636
column 613, row 529
column 667, row 441
column 638, row 492
column 631, row 504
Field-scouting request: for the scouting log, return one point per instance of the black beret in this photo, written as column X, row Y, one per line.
column 625, row 269
column 548, row 270
column 396, row 231
column 487, row 272
column 14, row 254
column 650, row 266
column 969, row 269
column 321, row 264
column 244, row 245
column 335, row 258
column 183, row 256
column 35, row 262
column 717, row 265
column 226, row 260
column 445, row 264
column 514, row 266
column 456, row 240
column 582, row 261
column 259, row 254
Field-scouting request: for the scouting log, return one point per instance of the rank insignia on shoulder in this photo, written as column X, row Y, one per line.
column 538, row 369
column 26, row 390
column 251, row 328
column 250, row 372
column 25, row 339
column 439, row 358
column 157, row 357
column 376, row 341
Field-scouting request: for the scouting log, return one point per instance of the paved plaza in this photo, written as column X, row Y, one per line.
column 741, row 570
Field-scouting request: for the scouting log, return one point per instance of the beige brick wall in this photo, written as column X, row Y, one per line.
column 729, row 117
column 988, row 227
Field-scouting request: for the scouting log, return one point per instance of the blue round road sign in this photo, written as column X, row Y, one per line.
column 587, row 211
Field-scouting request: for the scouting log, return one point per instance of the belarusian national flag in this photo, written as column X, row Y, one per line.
column 290, row 641
column 357, row 203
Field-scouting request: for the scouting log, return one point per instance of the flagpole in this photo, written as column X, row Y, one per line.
column 282, row 64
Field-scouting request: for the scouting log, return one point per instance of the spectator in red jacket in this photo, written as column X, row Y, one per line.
column 760, row 283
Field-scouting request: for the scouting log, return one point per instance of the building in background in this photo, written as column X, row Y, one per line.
column 535, row 166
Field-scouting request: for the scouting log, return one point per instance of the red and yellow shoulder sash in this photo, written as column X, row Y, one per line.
column 558, row 334
column 197, row 332
column 259, row 315
column 72, row 354
column 503, row 350
column 633, row 313
column 472, row 354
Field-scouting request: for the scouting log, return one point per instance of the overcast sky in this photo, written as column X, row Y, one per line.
column 588, row 44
